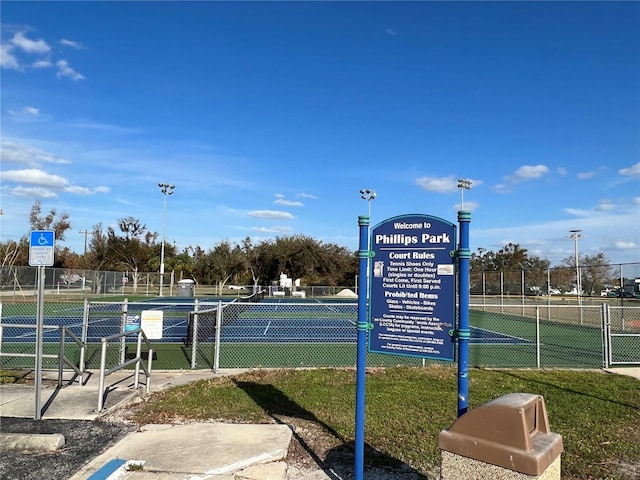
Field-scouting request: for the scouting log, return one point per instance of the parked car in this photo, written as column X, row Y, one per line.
column 75, row 278
column 620, row 294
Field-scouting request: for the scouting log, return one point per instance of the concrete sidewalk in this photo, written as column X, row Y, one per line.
column 199, row 451
column 191, row 451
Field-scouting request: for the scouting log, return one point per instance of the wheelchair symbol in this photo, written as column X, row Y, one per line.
column 43, row 240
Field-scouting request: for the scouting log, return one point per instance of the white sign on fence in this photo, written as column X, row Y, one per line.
column 151, row 323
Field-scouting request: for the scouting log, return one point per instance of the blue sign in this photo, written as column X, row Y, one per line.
column 41, row 248
column 412, row 287
column 132, row 323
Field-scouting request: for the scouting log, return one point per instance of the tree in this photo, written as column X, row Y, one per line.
column 132, row 251
column 10, row 253
column 52, row 221
column 221, row 264
column 536, row 273
column 595, row 271
column 254, row 261
column 184, row 263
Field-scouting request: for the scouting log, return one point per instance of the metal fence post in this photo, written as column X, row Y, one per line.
column 216, row 359
column 194, row 336
column 538, row 336
column 123, row 340
column 604, row 312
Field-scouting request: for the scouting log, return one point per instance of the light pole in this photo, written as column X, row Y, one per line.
column 463, row 184
column 575, row 235
column 166, row 189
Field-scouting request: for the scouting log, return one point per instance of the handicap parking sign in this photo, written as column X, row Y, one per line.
column 41, row 247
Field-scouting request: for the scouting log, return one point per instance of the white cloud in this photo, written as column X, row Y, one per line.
column 271, row 229
column 561, row 171
column 307, row 195
column 280, row 200
column 29, row 111
column 72, row 44
column 34, row 182
column 577, row 212
column 390, row 31
column 28, row 45
column 632, row 171
column 528, row 172
column 34, row 176
column 636, row 200
column 8, row 59
column 441, row 185
column 471, row 206
column 585, row 175
column 13, row 152
column 271, row 214
column 502, row 188
column 64, row 70
column 42, row 64
column 605, row 205
column 625, row 245
column 89, row 125
column 78, row 190
column 33, row 192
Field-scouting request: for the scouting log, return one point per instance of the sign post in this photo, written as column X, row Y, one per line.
column 361, row 356
column 462, row 333
column 41, row 248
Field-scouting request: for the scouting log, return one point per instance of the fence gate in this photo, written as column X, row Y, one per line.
column 621, row 335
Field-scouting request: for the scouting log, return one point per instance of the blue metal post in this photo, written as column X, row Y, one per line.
column 463, row 333
column 361, row 362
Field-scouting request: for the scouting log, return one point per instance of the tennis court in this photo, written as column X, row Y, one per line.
column 291, row 332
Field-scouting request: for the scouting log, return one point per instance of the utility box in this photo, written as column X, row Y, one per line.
column 186, row 288
column 506, row 438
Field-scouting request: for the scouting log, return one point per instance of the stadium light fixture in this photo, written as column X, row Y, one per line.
column 166, row 189
column 368, row 195
column 463, row 184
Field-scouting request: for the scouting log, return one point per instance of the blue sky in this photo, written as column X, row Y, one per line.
column 270, row 117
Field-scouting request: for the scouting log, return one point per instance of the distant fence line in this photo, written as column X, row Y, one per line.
column 19, row 282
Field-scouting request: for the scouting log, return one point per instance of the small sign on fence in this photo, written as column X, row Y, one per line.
column 151, row 323
column 132, row 323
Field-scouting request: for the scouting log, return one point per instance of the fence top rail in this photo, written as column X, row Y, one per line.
column 161, row 302
column 312, row 302
column 30, row 325
column 541, row 305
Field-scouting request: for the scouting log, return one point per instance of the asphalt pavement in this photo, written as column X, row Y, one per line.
column 71, row 440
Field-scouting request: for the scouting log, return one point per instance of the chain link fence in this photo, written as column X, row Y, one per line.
column 582, row 283
column 20, row 283
column 533, row 286
column 289, row 333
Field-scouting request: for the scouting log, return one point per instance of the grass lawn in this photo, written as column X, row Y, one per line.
column 597, row 414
